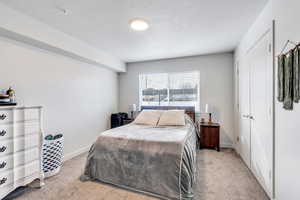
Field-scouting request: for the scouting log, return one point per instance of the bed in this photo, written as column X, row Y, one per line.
column 155, row 160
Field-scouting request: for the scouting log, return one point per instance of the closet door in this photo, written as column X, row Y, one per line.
column 244, row 121
column 261, row 93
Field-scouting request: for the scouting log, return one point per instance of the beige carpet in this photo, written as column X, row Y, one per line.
column 221, row 176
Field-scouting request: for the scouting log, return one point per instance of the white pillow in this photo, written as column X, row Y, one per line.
column 148, row 117
column 172, row 118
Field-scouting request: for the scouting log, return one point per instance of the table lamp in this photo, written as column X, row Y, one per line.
column 208, row 110
column 132, row 109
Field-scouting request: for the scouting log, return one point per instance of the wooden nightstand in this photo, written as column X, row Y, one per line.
column 210, row 135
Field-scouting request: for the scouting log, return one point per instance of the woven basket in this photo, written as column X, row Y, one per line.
column 52, row 156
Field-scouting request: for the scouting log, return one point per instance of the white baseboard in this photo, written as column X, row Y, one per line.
column 69, row 156
column 223, row 145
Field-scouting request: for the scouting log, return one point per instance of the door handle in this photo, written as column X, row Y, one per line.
column 249, row 117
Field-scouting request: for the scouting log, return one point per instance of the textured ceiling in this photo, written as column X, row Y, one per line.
column 177, row 27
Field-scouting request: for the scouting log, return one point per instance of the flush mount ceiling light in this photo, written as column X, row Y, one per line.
column 139, row 24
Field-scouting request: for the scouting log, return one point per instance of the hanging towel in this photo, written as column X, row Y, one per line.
column 296, row 72
column 288, row 81
column 280, row 77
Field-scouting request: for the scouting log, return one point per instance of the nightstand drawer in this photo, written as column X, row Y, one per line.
column 213, row 136
column 210, row 136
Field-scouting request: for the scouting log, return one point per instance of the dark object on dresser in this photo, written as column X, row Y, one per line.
column 210, row 135
column 8, row 104
column 5, row 100
column 118, row 119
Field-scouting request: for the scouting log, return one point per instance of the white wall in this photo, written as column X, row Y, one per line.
column 287, row 126
column 78, row 98
column 216, row 84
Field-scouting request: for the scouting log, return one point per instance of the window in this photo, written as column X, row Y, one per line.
column 170, row 89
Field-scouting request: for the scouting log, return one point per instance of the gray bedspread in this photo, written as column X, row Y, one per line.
column 155, row 160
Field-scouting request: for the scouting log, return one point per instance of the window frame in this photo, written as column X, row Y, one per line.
column 197, row 106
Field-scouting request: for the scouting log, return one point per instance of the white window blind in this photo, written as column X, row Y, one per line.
column 170, row 89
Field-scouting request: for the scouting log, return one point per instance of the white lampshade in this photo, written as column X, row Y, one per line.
column 133, row 107
column 207, row 108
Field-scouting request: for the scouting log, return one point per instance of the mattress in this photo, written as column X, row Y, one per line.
column 159, row 161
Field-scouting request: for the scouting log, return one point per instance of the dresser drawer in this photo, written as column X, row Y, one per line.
column 15, row 115
column 18, row 144
column 18, row 129
column 18, row 173
column 27, row 114
column 18, row 159
column 5, row 190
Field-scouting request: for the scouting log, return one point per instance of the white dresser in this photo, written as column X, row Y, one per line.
column 20, row 147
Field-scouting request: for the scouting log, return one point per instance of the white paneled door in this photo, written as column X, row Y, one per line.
column 245, row 136
column 256, row 110
column 261, row 110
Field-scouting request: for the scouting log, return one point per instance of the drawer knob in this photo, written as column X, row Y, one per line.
column 2, row 117
column 3, row 180
column 2, row 149
column 2, row 133
column 2, row 165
